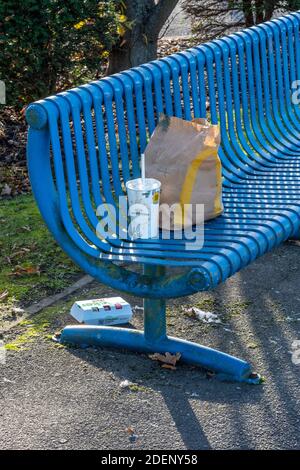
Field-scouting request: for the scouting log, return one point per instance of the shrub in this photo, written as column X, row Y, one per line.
column 48, row 44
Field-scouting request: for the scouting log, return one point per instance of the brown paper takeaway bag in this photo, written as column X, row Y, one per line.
column 183, row 156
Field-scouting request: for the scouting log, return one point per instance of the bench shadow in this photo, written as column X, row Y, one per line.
column 178, row 389
column 277, row 360
column 185, row 390
column 274, row 362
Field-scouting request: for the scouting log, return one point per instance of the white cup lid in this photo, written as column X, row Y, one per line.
column 147, row 184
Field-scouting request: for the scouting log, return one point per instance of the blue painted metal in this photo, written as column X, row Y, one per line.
column 226, row 367
column 86, row 143
column 154, row 339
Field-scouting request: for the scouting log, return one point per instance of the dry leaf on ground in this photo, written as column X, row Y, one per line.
column 169, row 360
column 25, row 271
column 3, row 295
column 168, row 366
column 19, row 253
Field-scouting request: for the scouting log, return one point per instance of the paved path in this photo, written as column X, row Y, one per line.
column 180, row 25
column 71, row 398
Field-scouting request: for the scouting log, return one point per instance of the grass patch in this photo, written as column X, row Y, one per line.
column 138, row 388
column 236, row 308
column 37, row 326
column 32, row 264
column 207, row 304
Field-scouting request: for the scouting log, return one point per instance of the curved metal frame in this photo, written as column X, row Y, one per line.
column 96, row 133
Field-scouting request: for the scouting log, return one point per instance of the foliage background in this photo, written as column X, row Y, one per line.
column 46, row 45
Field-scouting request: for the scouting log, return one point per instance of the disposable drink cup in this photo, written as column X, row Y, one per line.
column 143, row 200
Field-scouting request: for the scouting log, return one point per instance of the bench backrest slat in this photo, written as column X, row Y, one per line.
column 243, row 82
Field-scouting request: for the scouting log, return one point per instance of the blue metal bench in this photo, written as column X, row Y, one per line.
column 84, row 144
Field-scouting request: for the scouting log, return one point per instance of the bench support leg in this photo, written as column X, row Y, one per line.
column 154, row 339
column 155, row 328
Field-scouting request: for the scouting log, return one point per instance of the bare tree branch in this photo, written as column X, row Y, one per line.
column 211, row 18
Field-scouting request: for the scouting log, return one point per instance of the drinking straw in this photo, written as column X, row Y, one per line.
column 143, row 167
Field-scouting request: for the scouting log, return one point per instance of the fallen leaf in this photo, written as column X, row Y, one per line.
column 166, row 358
column 132, row 436
column 20, row 252
column 25, row 271
column 3, row 295
column 168, row 366
column 210, row 374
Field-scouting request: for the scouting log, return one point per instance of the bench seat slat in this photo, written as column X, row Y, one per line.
column 97, row 132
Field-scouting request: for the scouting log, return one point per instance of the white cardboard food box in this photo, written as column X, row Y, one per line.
column 110, row 311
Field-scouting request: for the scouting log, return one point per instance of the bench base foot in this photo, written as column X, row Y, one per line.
column 226, row 367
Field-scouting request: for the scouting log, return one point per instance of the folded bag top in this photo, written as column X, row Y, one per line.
column 183, row 156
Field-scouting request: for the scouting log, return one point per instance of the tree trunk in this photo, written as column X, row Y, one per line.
column 123, row 58
column 139, row 43
column 269, row 9
column 259, row 11
column 248, row 13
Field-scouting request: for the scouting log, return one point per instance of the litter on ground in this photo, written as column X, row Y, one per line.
column 206, row 317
